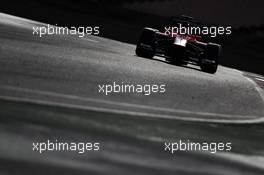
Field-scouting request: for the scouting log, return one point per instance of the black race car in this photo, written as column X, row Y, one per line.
column 179, row 49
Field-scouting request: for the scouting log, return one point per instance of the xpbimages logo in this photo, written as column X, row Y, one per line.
column 212, row 147
column 145, row 89
column 211, row 31
column 80, row 147
column 56, row 30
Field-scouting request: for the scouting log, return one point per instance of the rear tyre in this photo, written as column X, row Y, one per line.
column 146, row 45
column 209, row 64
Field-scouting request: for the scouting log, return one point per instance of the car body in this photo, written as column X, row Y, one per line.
column 179, row 49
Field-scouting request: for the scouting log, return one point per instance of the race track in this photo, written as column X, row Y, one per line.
column 49, row 88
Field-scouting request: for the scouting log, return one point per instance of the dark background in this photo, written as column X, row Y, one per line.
column 123, row 21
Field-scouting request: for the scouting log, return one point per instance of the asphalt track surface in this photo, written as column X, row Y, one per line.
column 49, row 90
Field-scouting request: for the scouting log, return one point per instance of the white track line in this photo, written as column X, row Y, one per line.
column 91, row 40
column 260, row 79
column 258, row 89
column 122, row 104
column 132, row 113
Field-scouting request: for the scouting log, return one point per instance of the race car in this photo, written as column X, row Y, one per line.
column 179, row 49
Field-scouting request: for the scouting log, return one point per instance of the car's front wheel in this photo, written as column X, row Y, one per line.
column 209, row 63
column 146, row 44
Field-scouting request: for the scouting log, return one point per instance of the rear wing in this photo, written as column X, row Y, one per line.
column 186, row 21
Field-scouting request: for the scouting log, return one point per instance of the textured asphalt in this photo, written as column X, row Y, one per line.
column 50, row 85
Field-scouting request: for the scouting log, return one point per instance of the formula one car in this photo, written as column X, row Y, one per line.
column 179, row 49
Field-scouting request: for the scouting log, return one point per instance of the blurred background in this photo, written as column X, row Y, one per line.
column 123, row 20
